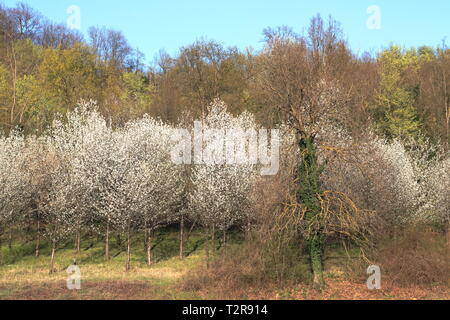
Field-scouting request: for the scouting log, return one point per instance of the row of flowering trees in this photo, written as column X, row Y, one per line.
column 83, row 175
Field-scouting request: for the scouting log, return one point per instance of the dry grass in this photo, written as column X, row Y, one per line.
column 243, row 274
column 415, row 257
column 237, row 273
column 218, row 284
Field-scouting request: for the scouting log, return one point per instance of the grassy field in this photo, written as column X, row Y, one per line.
column 23, row 276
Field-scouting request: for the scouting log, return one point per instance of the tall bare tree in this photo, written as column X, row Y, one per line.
column 302, row 78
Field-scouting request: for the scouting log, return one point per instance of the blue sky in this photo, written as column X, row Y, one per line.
column 151, row 25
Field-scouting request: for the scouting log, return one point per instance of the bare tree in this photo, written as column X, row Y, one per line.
column 110, row 45
column 58, row 36
column 301, row 78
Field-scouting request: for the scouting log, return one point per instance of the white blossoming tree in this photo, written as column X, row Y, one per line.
column 145, row 185
column 55, row 199
column 220, row 195
column 158, row 179
column 79, row 138
column 13, row 179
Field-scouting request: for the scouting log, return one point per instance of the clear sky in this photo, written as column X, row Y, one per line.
column 151, row 25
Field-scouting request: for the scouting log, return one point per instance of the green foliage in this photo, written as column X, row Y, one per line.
column 137, row 92
column 5, row 94
column 308, row 178
column 31, row 102
column 67, row 75
column 395, row 112
column 26, row 57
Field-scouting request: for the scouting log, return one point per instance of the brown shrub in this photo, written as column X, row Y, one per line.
column 247, row 270
column 417, row 256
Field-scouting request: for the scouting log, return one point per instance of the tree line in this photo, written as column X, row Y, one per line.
column 46, row 68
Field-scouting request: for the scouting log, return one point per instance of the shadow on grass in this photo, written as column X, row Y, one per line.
column 164, row 247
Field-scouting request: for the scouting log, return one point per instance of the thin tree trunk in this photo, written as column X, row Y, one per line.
column 107, row 241
column 186, row 236
column 10, row 239
column 28, row 233
column 149, row 248
column 315, row 249
column 128, row 264
column 248, row 229
column 224, row 239
column 38, row 240
column 447, row 109
column 207, row 243
column 182, row 237
column 1, row 253
column 14, row 81
column 52, row 262
column 145, row 236
column 213, row 240
column 448, row 234
column 78, row 241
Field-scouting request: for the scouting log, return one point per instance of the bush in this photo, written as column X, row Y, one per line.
column 249, row 266
column 414, row 256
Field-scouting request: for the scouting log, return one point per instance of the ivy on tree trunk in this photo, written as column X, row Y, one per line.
column 308, row 193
